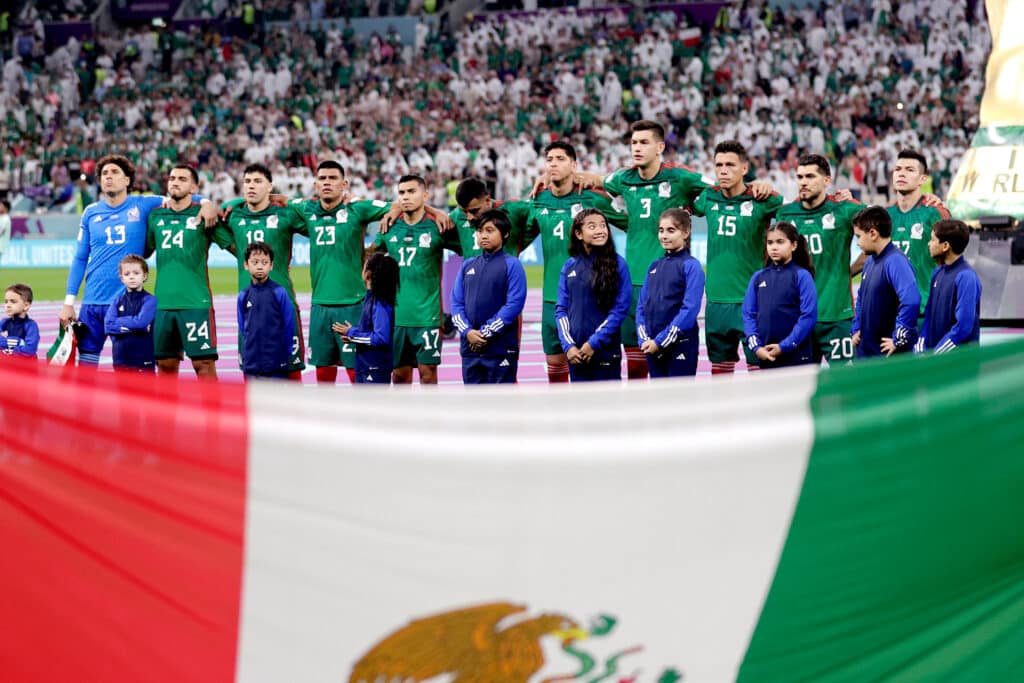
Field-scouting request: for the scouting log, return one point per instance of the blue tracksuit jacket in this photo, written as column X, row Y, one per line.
column 373, row 336
column 781, row 307
column 488, row 296
column 670, row 299
column 266, row 323
column 129, row 322
column 888, row 303
column 24, row 332
column 577, row 316
column 953, row 314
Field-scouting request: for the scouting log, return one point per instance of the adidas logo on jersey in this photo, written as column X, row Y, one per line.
column 503, row 364
column 544, row 212
column 681, row 356
column 248, row 304
column 715, row 207
column 572, row 274
column 241, row 222
column 393, row 239
column 161, row 222
column 471, row 271
column 437, row 354
column 763, row 284
column 204, row 347
column 120, row 308
column 652, row 271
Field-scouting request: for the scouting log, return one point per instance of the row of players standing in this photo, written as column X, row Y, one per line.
column 737, row 216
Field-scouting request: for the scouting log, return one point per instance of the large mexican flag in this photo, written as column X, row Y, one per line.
column 865, row 523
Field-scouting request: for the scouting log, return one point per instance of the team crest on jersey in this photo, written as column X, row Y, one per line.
column 133, row 213
column 916, row 231
column 425, row 240
column 341, row 216
column 664, row 189
column 828, row 222
column 191, row 223
column 271, row 221
column 576, row 208
column 747, row 208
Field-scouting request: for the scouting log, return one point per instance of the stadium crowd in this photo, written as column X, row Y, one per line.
column 854, row 81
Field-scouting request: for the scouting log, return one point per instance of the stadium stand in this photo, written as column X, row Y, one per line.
column 852, row 80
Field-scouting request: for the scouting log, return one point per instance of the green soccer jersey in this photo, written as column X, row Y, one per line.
column 419, row 250
column 911, row 231
column 671, row 187
column 551, row 218
column 736, row 240
column 518, row 213
column 273, row 225
column 336, row 248
column 829, row 232
column 181, row 243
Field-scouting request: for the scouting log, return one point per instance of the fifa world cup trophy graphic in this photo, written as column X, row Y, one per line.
column 990, row 180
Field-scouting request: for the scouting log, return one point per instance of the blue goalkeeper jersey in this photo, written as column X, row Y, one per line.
column 105, row 236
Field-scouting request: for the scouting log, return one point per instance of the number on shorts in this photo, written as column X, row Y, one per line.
column 429, row 335
column 347, row 348
column 173, row 238
column 814, row 243
column 295, row 345
column 406, row 255
column 841, row 348
column 193, row 331
column 325, row 234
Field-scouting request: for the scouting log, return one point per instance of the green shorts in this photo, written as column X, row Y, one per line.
column 192, row 330
column 723, row 330
column 417, row 346
column 833, row 341
column 628, row 332
column 548, row 332
column 326, row 347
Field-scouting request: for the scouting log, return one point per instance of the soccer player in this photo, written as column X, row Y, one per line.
column 258, row 220
column 551, row 216
column 736, row 237
column 888, row 301
column 416, row 242
column 111, row 228
column 953, row 315
column 473, row 200
column 827, row 223
column 184, row 317
column 649, row 188
column 913, row 218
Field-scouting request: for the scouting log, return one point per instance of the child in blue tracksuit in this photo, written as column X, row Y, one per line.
column 129, row 318
column 19, row 334
column 487, row 300
column 594, row 294
column 666, row 312
column 780, row 308
column 952, row 316
column 373, row 336
column 266, row 318
column 888, row 302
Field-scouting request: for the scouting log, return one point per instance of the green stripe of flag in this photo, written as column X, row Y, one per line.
column 905, row 556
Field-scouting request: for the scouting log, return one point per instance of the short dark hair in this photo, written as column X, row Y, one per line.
column 137, row 260
column 500, row 220
column 469, row 189
column 731, row 147
column 815, row 160
column 411, row 178
column 122, row 162
column 258, row 168
column 331, row 163
column 874, row 218
column 645, row 125
column 916, row 156
column 181, row 165
column 954, row 232
column 24, row 291
column 259, row 248
column 569, row 150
